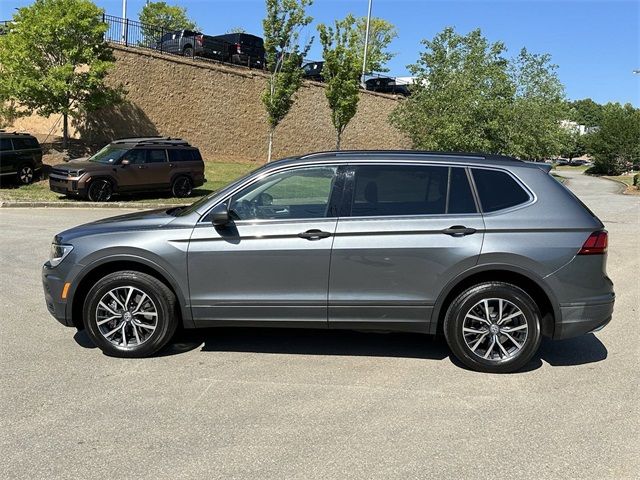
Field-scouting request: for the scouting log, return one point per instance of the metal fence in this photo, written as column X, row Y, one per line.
column 130, row 33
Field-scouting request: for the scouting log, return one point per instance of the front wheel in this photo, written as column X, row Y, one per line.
column 100, row 191
column 130, row 314
column 493, row 327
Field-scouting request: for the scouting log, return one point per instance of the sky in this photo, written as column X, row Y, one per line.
column 595, row 43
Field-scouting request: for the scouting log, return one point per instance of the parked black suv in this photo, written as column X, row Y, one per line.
column 20, row 157
column 387, row 85
column 132, row 165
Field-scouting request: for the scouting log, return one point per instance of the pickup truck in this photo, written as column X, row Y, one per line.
column 236, row 48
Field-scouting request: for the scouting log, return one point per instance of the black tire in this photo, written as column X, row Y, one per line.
column 26, row 174
column 100, row 190
column 507, row 356
column 181, row 186
column 159, row 296
column 187, row 52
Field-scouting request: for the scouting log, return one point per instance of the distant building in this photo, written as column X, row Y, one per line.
column 572, row 126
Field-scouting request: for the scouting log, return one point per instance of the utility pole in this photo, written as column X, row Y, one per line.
column 366, row 45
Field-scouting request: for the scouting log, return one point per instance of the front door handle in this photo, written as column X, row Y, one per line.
column 314, row 234
column 458, row 231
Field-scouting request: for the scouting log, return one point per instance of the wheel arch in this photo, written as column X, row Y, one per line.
column 97, row 270
column 528, row 281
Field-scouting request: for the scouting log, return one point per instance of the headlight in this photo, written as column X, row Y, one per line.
column 76, row 173
column 59, row 253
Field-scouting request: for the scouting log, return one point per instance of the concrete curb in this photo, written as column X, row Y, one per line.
column 138, row 206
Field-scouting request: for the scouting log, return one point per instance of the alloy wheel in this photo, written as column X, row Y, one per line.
column 126, row 316
column 25, row 175
column 495, row 329
column 182, row 187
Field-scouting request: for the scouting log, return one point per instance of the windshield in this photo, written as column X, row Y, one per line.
column 108, row 155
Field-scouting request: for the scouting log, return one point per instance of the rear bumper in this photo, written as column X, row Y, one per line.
column 578, row 319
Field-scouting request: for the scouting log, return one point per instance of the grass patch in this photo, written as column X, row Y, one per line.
column 627, row 179
column 217, row 174
column 559, row 178
column 571, row 168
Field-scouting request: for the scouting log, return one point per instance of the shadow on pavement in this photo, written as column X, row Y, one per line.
column 575, row 351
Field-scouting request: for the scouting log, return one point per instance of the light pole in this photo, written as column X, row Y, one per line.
column 124, row 22
column 366, row 44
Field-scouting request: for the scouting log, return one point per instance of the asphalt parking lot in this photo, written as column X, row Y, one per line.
column 312, row 405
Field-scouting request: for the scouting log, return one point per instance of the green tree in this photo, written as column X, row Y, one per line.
column 236, row 30
column 282, row 24
column 573, row 143
column 462, row 97
column 54, row 60
column 156, row 15
column 534, row 127
column 341, row 71
column 381, row 34
column 585, row 112
column 615, row 145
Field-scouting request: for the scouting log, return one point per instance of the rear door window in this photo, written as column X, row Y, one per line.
column 24, row 143
column 156, row 156
column 460, row 195
column 399, row 190
column 498, row 190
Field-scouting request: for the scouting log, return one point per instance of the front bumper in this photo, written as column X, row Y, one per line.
column 53, row 286
column 66, row 185
column 578, row 319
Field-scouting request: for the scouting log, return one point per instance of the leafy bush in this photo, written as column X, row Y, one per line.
column 636, row 181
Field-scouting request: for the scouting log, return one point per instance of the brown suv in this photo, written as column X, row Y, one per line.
column 132, row 165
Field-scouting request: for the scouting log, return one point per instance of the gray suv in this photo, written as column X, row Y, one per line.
column 490, row 251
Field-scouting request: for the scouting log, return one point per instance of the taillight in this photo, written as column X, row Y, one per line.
column 199, row 40
column 238, row 49
column 596, row 244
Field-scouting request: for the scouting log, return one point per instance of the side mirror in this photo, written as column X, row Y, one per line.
column 220, row 215
column 125, row 162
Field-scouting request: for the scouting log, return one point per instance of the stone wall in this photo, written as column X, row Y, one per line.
column 218, row 109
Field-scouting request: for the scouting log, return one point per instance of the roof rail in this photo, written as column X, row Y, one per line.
column 470, row 155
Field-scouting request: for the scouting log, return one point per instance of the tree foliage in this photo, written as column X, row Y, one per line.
column 381, row 34
column 54, row 60
column 162, row 15
column 341, row 70
column 282, row 25
column 615, row 144
column 469, row 96
column 461, row 97
column 585, row 112
column 538, row 107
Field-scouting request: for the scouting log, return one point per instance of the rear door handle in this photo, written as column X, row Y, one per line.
column 458, row 231
column 314, row 234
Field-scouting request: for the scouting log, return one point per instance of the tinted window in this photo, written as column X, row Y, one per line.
column 299, row 193
column 181, row 155
column 399, row 190
column 24, row 143
column 460, row 195
column 156, row 156
column 498, row 190
column 5, row 144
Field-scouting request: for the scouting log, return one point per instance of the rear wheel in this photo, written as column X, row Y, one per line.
column 130, row 314
column 26, row 174
column 187, row 52
column 182, row 187
column 100, row 190
column 493, row 327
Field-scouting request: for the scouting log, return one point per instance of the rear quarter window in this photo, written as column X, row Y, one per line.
column 24, row 143
column 498, row 190
column 184, row 155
